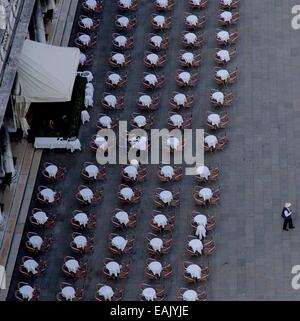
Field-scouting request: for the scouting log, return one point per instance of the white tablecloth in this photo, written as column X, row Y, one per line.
column 123, row 21
column 190, row 295
column 84, row 39
column 118, row 58
column 188, row 57
column 151, row 79
column 48, row 195
column 206, row 193
column 155, row 267
column 82, row 58
column 156, row 40
column 140, row 143
column 160, row 220
column 140, row 120
column 162, row 3
column 224, row 55
column 68, row 293
column 87, row 22
column 36, row 241
column 180, row 99
column 196, row 2
column 159, row 20
column 91, row 4
column 88, row 101
column 113, row 268
column 52, row 170
column 119, row 242
column 214, row 119
column 196, row 246
column 149, row 294
column 194, row 270
column 121, row 41
column 87, row 74
column 101, row 142
column 200, row 219
column 177, row 120
column 127, row 193
column 26, row 291
column 81, row 218
column 185, row 77
column 72, row 265
column 105, row 121
column 167, row 171
column 223, row 74
column 107, row 292
column 211, row 140
column 31, row 266
column 85, row 117
column 122, row 217
column 227, row 2
column 92, row 171
column 223, row 35
column 203, row 171
column 190, row 37
column 40, row 217
column 157, row 244
column 152, row 58
column 87, row 194
column 226, row 16
column 173, row 142
column 166, row 196
column 80, row 241
column 218, row 96
column 125, row 3
column 131, row 171
column 114, row 78
column 53, row 142
column 145, row 100
column 200, row 232
column 192, row 20
column 111, row 100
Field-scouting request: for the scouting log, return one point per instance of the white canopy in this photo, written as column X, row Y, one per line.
column 46, row 74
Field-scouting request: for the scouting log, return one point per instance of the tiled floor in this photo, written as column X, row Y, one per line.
column 253, row 259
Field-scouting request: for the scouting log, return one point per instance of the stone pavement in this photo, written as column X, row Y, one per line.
column 253, row 259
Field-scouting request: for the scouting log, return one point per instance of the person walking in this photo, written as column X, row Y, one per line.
column 287, row 217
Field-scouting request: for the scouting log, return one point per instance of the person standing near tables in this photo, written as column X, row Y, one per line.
column 287, row 216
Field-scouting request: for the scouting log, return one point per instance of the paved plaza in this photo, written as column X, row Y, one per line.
column 260, row 167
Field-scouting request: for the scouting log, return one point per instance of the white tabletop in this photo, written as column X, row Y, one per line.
column 206, row 193
column 52, row 170
column 223, row 74
column 122, row 217
column 194, row 270
column 118, row 58
column 72, row 265
column 92, row 170
column 166, row 196
column 105, row 121
column 167, row 171
column 123, row 21
column 192, row 20
column 173, row 142
column 68, row 293
column 185, row 76
column 85, row 39
column 218, row 96
column 160, row 220
column 111, row 100
column 151, row 79
column 85, row 116
column 200, row 219
column 159, row 20
column 36, row 241
column 196, row 2
column 101, row 142
column 180, row 99
column 203, row 171
column 156, row 243
column 48, row 195
column 91, row 4
column 81, row 218
column 88, row 75
column 127, row 193
column 140, row 143
column 126, row 3
column 155, row 267
column 131, row 171
column 31, row 266
column 145, row 100
column 156, row 40
column 223, row 35
column 188, row 57
column 190, row 295
column 140, row 120
column 80, row 241
column 82, row 58
column 226, row 16
column 177, row 120
column 26, row 291
column 211, row 140
column 87, row 194
column 152, row 58
column 40, row 217
column 227, row 2
column 119, row 242
column 114, row 268
column 214, row 119
column 200, row 232
column 121, row 41
column 149, row 294
column 196, row 245
column 190, row 37
column 87, row 22
column 224, row 55
column 114, row 78
column 162, row 3
column 107, row 292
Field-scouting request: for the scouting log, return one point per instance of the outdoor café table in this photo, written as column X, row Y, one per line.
column 72, row 265
column 107, row 292
column 190, row 37
column 87, row 22
column 131, row 171
column 92, row 4
column 92, row 171
column 194, row 270
column 123, row 21
column 113, row 268
column 196, row 246
column 214, row 119
column 155, row 267
column 203, row 171
column 126, row 3
column 201, row 232
column 121, row 41
column 84, row 39
column 173, row 142
column 140, row 120
column 223, row 35
column 226, row 16
column 118, row 58
column 156, row 40
column 211, row 141
column 36, row 241
column 223, row 74
column 192, row 20
column 200, row 219
column 180, row 99
column 190, row 295
column 167, row 171
column 48, row 194
column 127, row 193
column 145, row 100
column 218, row 96
column 52, row 170
column 80, row 241
column 119, row 242
column 188, row 57
column 185, row 77
column 166, row 196
column 153, row 58
column 159, row 20
column 105, row 121
column 40, row 217
column 151, row 79
column 149, row 294
column 224, row 55
column 157, row 244
column 160, row 220
column 81, row 218
column 122, row 217
column 111, row 100
column 26, row 292
column 87, row 194
column 177, row 120
column 68, row 293
column 162, row 3
column 206, row 193
column 31, row 266
column 114, row 78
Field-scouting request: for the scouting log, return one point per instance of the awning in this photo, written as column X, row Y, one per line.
column 45, row 74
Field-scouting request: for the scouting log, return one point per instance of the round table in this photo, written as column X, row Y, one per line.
column 180, row 99
column 203, row 171
column 155, row 267
column 200, row 219
column 48, row 195
column 72, row 265
column 40, row 217
column 121, row 41
column 36, row 241
column 156, row 243
column 190, row 37
column 111, row 100
column 92, row 171
column 52, row 170
column 166, row 196
column 84, row 39
column 127, row 193
column 194, row 270
column 122, row 217
column 81, row 218
column 68, row 293
column 123, row 21
column 152, row 58
column 156, row 40
column 159, row 20
column 160, row 220
column 190, row 295
column 140, row 120
column 105, row 121
column 131, row 171
column 151, row 79
column 31, row 266
column 192, row 20
column 118, row 58
column 185, row 77
column 218, row 96
column 107, row 292
column 223, row 35
column 214, row 119
column 145, row 100
column 188, row 57
column 149, row 294
column 114, row 78
column 167, row 171
column 206, row 193
column 196, row 245
column 87, row 22
column 177, row 120
column 26, row 291
column 87, row 194
column 119, row 242
column 114, row 268
column 211, row 140
column 223, row 74
column 80, row 241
